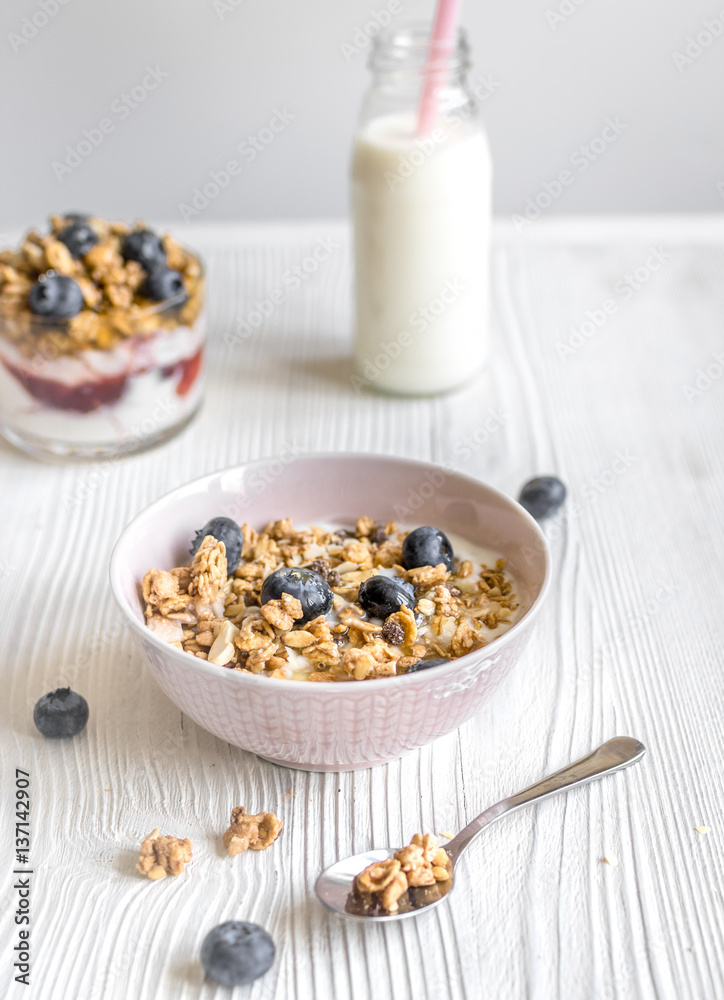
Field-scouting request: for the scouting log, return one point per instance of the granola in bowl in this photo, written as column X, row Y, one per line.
column 328, row 604
column 101, row 337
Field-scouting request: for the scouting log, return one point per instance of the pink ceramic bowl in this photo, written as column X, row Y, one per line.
column 332, row 727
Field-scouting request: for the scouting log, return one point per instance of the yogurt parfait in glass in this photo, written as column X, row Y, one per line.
column 101, row 338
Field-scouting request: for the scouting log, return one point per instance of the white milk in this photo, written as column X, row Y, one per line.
column 422, row 233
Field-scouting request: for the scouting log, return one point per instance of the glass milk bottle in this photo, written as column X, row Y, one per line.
column 421, row 212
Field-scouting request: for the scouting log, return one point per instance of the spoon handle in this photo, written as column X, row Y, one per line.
column 612, row 756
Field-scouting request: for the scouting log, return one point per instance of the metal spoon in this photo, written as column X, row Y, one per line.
column 335, row 886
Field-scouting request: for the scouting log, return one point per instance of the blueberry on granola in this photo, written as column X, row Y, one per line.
column 424, row 664
column 223, row 530
column 162, row 283
column 427, row 546
column 381, row 596
column 542, row 496
column 309, row 588
column 144, row 247
column 79, row 237
column 237, row 952
column 61, row 713
column 55, row 296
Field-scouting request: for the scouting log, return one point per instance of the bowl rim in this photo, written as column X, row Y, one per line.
column 323, row 690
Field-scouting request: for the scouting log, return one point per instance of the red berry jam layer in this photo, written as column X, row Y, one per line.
column 85, row 397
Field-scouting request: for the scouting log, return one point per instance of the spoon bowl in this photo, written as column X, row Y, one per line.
column 335, row 887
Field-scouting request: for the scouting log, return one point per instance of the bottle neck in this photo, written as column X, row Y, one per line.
column 405, row 55
column 402, row 60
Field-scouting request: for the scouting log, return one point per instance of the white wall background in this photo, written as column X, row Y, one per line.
column 229, row 68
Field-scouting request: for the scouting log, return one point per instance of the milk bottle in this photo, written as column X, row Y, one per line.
column 421, row 212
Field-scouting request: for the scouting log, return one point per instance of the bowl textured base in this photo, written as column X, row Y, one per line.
column 292, row 726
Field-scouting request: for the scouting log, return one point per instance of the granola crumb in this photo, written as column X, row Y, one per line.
column 611, row 860
column 428, row 576
column 365, row 526
column 160, row 855
column 703, row 830
column 254, row 833
column 283, row 613
column 208, row 570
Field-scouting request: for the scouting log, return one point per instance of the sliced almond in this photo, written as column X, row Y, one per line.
column 222, row 649
column 298, row 639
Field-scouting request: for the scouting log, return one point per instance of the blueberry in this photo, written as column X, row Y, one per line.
column 427, row 547
column 381, row 596
column 224, row 530
column 79, row 237
column 542, row 496
column 308, row 587
column 162, row 283
column 61, row 713
column 424, row 664
column 237, row 952
column 75, row 217
column 144, row 247
column 55, row 296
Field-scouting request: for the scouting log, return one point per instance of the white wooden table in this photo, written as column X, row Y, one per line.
column 631, row 643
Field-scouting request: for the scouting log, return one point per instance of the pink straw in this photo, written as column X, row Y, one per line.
column 441, row 43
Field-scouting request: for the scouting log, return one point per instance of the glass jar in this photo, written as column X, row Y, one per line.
column 421, row 213
column 136, row 384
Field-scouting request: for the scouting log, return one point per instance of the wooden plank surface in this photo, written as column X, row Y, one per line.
column 631, row 642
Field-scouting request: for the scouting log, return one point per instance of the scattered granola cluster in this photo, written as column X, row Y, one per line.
column 422, row 863
column 254, row 833
column 225, row 618
column 161, row 855
column 91, row 284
